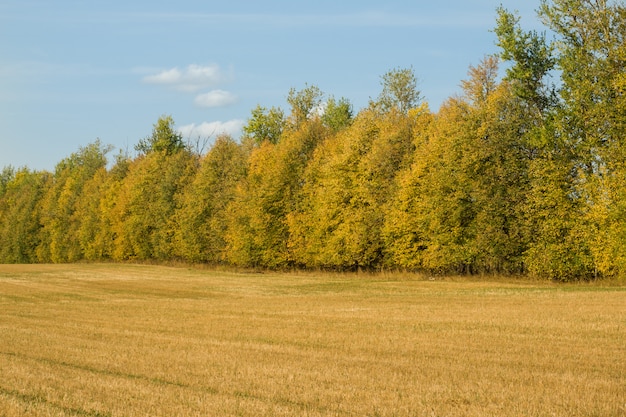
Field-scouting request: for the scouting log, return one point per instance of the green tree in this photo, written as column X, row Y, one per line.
column 265, row 125
column 499, row 173
column 337, row 114
column 554, row 206
column 590, row 124
column 555, row 221
column 305, row 104
column 6, row 176
column 399, row 90
column 532, row 60
column 164, row 138
column 577, row 156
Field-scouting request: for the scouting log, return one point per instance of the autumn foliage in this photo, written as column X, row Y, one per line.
column 522, row 173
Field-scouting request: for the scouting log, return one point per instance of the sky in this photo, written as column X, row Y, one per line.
column 74, row 71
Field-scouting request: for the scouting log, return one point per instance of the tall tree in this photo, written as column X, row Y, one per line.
column 457, row 209
column 60, row 221
column 441, row 206
column 590, row 38
column 164, row 138
column 264, row 125
column 149, row 192
column 338, row 114
column 531, row 57
column 102, row 228
column 399, row 90
column 555, row 206
column 305, row 104
column 347, row 187
column 258, row 232
column 89, row 215
column 19, row 216
column 147, row 203
column 201, row 220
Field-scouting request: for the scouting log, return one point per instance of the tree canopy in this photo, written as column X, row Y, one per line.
column 522, row 172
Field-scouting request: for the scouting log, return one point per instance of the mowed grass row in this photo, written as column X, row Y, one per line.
column 124, row 340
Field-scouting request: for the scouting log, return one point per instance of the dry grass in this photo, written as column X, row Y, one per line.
column 113, row 340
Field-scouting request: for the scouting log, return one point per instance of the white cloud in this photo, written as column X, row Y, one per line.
column 212, row 129
column 172, row 76
column 215, row 98
column 190, row 79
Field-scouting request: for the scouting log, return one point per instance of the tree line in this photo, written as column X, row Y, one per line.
column 523, row 172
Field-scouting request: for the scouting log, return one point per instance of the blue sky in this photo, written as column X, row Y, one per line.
column 75, row 71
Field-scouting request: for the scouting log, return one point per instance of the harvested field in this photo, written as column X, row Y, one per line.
column 130, row 340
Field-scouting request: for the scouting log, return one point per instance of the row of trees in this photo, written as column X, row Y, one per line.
column 523, row 173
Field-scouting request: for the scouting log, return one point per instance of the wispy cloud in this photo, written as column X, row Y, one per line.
column 379, row 16
column 212, row 129
column 364, row 18
column 215, row 98
column 190, row 79
column 44, row 68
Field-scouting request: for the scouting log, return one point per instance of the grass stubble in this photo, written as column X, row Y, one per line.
column 130, row 340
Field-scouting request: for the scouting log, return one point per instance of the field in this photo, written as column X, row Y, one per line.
column 130, row 340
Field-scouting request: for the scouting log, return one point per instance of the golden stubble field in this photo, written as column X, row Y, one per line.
column 128, row 340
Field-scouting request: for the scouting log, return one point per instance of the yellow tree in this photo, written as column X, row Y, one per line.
column 100, row 229
column 60, row 222
column 88, row 216
column 148, row 196
column 347, row 188
column 147, row 202
column 19, row 216
column 438, row 195
column 458, row 206
column 351, row 179
column 258, row 232
column 201, row 220
column 403, row 230
column 609, row 209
